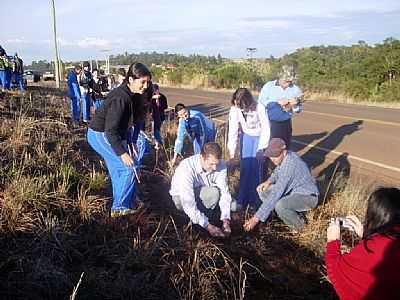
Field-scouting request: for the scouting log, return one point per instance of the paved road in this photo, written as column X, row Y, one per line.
column 358, row 139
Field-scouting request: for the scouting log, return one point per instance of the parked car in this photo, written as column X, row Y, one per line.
column 30, row 76
column 48, row 76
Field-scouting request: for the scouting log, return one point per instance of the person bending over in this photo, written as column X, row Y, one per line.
column 290, row 190
column 196, row 126
column 199, row 184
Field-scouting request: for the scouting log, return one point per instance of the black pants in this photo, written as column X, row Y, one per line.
column 282, row 130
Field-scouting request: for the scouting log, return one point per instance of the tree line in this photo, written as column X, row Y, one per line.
column 360, row 71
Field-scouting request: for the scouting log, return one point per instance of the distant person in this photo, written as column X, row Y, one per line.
column 371, row 269
column 116, row 80
column 74, row 93
column 85, row 82
column 159, row 104
column 18, row 72
column 108, row 134
column 196, row 126
column 5, row 69
column 281, row 98
column 121, row 73
column 290, row 190
column 200, row 184
column 248, row 127
column 99, row 90
column 111, row 82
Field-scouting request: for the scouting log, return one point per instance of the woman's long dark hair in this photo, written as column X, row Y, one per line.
column 383, row 214
column 245, row 99
column 136, row 71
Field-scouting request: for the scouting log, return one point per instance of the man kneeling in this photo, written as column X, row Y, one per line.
column 199, row 184
column 290, row 189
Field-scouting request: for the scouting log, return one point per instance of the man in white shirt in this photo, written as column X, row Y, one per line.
column 199, row 184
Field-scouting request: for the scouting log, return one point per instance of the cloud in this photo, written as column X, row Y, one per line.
column 16, row 41
column 260, row 23
column 92, row 42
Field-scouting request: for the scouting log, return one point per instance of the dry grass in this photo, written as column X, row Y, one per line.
column 342, row 98
column 54, row 226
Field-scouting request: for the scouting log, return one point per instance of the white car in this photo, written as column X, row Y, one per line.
column 48, row 76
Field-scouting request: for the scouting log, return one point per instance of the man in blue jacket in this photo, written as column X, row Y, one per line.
column 196, row 126
column 74, row 93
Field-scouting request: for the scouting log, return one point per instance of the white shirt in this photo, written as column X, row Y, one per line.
column 190, row 175
column 256, row 123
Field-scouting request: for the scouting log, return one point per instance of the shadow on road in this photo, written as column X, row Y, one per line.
column 316, row 157
column 306, row 139
column 334, row 177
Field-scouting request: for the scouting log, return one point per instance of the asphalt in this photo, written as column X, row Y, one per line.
column 362, row 141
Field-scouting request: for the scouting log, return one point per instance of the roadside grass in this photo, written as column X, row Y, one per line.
column 342, row 98
column 55, row 229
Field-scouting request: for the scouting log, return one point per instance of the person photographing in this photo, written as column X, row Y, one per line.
column 371, row 269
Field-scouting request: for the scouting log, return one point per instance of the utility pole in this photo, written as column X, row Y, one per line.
column 107, row 60
column 56, row 62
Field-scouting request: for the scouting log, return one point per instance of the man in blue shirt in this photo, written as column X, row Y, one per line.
column 74, row 93
column 290, row 189
column 196, row 126
column 281, row 98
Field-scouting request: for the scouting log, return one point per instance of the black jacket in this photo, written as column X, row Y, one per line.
column 120, row 111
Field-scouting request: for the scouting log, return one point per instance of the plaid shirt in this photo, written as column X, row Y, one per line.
column 292, row 176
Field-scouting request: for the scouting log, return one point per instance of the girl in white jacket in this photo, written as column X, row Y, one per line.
column 249, row 124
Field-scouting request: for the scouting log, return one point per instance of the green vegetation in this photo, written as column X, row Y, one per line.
column 360, row 72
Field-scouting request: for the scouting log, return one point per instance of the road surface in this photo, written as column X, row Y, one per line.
column 361, row 140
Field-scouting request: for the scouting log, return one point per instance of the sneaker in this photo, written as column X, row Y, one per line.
column 128, row 211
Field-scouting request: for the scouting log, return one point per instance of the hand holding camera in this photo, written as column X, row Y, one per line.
column 350, row 222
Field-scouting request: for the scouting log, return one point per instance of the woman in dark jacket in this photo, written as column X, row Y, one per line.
column 107, row 134
column 98, row 86
column 371, row 270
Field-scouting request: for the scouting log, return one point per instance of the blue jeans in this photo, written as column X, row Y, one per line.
column 19, row 80
column 289, row 207
column 76, row 109
column 157, row 133
column 250, row 171
column 3, row 79
column 199, row 141
column 8, row 79
column 85, row 99
column 98, row 103
column 122, row 177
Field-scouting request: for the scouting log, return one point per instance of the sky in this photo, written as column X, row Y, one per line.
column 90, row 29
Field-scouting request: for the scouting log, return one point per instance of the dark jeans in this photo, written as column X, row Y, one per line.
column 282, row 130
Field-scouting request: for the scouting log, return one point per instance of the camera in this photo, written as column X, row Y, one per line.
column 343, row 222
